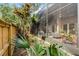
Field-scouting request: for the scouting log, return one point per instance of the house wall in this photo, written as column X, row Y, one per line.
column 68, row 13
column 69, row 20
column 68, row 16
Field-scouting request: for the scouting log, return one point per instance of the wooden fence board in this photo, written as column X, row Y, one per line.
column 2, row 52
column 7, row 34
column 5, row 53
column 0, row 38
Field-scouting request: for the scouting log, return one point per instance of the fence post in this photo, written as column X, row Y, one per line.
column 10, row 39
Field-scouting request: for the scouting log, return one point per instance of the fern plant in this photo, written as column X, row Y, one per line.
column 37, row 50
column 22, row 42
column 54, row 50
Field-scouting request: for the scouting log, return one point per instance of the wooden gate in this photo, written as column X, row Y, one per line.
column 7, row 34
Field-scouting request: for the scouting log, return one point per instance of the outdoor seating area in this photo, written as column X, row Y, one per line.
column 39, row 29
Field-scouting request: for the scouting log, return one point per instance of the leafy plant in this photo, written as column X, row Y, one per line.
column 25, row 18
column 21, row 42
column 7, row 15
column 53, row 50
column 69, row 37
column 37, row 50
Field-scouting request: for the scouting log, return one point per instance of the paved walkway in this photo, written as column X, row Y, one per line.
column 68, row 47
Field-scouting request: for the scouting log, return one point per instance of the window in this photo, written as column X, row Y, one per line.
column 71, row 28
column 53, row 28
column 65, row 27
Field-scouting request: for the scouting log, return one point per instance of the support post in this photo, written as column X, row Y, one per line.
column 10, row 40
column 68, row 28
column 78, row 25
column 58, row 25
column 47, row 21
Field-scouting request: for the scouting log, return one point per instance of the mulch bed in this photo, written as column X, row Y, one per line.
column 19, row 52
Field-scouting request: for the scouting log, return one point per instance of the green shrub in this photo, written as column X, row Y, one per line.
column 22, row 42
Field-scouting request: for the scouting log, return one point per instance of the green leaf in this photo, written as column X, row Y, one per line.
column 22, row 43
column 38, row 50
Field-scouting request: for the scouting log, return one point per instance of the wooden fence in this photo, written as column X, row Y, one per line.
column 7, row 34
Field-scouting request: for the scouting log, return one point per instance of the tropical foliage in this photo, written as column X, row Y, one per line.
column 37, row 50
column 69, row 37
column 6, row 14
column 54, row 50
column 22, row 42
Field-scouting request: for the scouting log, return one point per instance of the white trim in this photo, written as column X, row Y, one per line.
column 68, row 28
column 58, row 9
